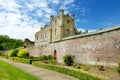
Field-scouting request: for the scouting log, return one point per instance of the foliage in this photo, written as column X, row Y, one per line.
column 43, row 57
column 77, row 31
column 118, row 69
column 86, row 67
column 50, row 57
column 7, row 43
column 101, row 68
column 22, row 60
column 75, row 73
column 9, row 72
column 77, row 65
column 1, row 47
column 68, row 59
column 23, row 53
column 13, row 53
column 46, row 57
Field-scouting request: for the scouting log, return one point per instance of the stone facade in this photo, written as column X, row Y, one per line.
column 28, row 43
column 59, row 27
column 100, row 47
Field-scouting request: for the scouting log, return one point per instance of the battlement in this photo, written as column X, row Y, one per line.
column 60, row 27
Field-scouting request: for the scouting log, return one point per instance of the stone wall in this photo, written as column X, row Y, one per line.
column 101, row 47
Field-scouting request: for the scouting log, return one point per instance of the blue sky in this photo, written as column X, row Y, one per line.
column 22, row 18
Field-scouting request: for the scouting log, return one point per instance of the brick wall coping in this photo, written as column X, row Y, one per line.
column 94, row 33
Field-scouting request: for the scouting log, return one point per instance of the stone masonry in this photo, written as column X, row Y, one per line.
column 98, row 48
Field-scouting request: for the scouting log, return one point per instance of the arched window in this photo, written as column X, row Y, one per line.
column 68, row 21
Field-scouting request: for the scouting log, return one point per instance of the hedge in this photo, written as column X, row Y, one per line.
column 22, row 60
column 75, row 73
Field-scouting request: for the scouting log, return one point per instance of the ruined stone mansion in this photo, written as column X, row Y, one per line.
column 58, row 38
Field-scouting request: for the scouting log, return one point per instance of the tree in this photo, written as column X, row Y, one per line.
column 1, row 48
column 23, row 53
column 68, row 59
column 7, row 43
column 77, row 31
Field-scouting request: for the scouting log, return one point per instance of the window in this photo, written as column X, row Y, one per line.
column 68, row 31
column 55, row 21
column 37, row 37
column 68, row 21
column 55, row 31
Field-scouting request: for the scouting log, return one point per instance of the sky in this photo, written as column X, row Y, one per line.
column 21, row 19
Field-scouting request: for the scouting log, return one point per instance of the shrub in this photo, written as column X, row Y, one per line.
column 118, row 69
column 68, row 60
column 77, row 65
column 43, row 57
column 23, row 53
column 22, row 60
column 86, row 67
column 13, row 53
column 50, row 57
column 71, row 72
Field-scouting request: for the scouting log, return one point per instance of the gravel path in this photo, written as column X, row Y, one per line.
column 42, row 74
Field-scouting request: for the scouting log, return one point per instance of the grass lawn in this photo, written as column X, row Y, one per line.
column 9, row 72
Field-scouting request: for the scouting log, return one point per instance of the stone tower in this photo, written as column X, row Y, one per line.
column 62, row 26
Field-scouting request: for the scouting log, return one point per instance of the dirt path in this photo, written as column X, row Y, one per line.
column 42, row 74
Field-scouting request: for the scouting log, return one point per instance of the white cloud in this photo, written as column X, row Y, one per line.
column 84, row 11
column 82, row 20
column 54, row 1
column 67, row 4
column 83, row 30
column 15, row 20
column 22, row 18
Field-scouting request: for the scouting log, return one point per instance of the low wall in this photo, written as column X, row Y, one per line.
column 101, row 47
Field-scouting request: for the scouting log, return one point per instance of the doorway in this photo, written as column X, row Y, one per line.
column 55, row 55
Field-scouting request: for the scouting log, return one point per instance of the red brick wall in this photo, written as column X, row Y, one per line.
column 103, row 47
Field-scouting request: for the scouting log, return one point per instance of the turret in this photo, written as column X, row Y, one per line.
column 61, row 12
column 72, row 16
column 51, row 18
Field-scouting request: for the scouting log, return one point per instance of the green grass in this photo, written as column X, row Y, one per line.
column 9, row 72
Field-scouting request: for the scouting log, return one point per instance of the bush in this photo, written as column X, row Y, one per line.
column 118, row 69
column 75, row 73
column 13, row 53
column 44, row 57
column 77, row 65
column 50, row 57
column 86, row 67
column 68, row 60
column 22, row 60
column 23, row 53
